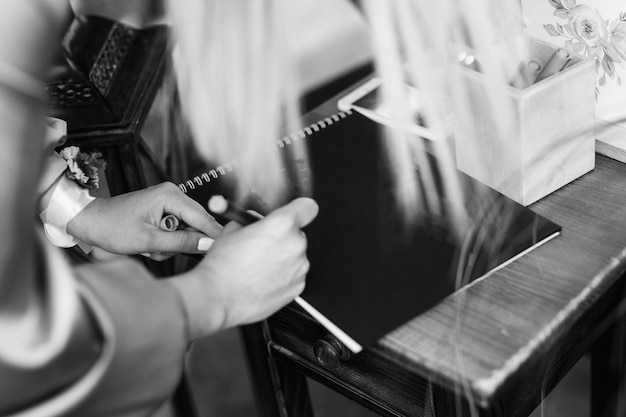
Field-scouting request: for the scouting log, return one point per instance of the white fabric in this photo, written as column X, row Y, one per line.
column 54, row 165
column 66, row 201
column 20, row 81
column 56, row 132
column 28, row 349
column 63, row 301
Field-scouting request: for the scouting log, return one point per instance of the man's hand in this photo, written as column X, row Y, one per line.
column 250, row 272
column 129, row 223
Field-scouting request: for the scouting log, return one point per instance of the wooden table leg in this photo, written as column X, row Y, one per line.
column 279, row 390
column 608, row 371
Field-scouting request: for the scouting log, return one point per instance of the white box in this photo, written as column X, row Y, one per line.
column 552, row 140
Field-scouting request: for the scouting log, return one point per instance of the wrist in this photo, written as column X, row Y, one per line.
column 205, row 310
column 82, row 225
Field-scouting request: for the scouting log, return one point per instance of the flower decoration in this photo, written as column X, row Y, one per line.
column 83, row 167
column 587, row 32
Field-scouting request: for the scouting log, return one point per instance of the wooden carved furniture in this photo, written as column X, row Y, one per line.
column 103, row 84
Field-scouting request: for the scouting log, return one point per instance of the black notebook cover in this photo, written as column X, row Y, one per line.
column 371, row 272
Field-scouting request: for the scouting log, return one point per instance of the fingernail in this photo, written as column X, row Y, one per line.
column 204, row 244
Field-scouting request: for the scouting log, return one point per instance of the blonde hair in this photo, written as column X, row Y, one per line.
column 417, row 43
column 237, row 86
column 239, row 94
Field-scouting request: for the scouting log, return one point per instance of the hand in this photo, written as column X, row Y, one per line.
column 129, row 223
column 250, row 272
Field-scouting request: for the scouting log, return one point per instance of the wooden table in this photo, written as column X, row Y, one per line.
column 495, row 348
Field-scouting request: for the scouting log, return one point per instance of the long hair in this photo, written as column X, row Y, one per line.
column 239, row 92
column 237, row 86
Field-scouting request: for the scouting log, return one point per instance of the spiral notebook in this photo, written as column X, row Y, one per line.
column 369, row 272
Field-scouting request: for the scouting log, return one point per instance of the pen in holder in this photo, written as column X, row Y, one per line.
column 559, row 60
column 527, row 73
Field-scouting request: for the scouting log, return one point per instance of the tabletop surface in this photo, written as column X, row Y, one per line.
column 501, row 321
column 491, row 330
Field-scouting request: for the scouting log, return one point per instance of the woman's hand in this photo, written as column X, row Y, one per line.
column 250, row 272
column 129, row 223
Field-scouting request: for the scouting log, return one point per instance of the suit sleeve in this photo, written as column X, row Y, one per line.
column 102, row 339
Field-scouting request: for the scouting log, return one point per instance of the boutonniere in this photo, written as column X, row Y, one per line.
column 587, row 32
column 83, row 167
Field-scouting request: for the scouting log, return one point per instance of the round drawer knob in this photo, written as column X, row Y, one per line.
column 329, row 352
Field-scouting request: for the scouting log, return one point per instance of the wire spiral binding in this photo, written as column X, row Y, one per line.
column 312, row 128
column 207, row 177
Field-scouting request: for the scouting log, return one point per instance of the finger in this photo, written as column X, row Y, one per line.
column 160, row 257
column 302, row 210
column 303, row 270
column 157, row 256
column 231, row 227
column 193, row 214
column 204, row 244
column 296, row 289
column 181, row 241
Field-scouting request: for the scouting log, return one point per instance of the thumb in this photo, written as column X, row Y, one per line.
column 182, row 241
column 303, row 210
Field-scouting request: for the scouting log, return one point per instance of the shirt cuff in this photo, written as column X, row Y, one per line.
column 66, row 201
